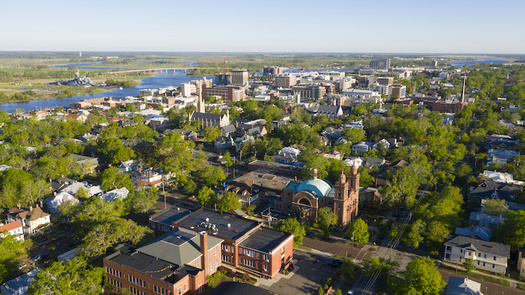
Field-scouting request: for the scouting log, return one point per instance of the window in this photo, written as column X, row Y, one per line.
column 216, row 250
column 449, row 248
column 185, row 287
column 282, row 250
column 266, row 258
column 258, row 255
column 180, row 291
column 198, row 262
column 493, row 266
column 153, row 225
column 484, row 255
column 249, row 253
column 494, row 258
column 224, row 247
column 249, row 263
column 266, row 267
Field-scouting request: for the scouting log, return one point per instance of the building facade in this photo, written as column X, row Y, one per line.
column 380, row 64
column 246, row 245
column 488, row 256
column 306, row 198
column 178, row 262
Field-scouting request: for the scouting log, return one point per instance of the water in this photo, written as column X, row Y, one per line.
column 163, row 79
column 473, row 62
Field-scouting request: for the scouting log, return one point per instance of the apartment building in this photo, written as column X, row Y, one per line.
column 488, row 256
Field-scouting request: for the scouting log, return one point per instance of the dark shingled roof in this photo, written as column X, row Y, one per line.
column 480, row 246
column 265, row 239
column 169, row 215
column 236, row 288
column 157, row 268
column 239, row 226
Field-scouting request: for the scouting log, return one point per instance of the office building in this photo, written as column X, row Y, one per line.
column 380, row 64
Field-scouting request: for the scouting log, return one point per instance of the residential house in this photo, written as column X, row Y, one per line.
column 370, row 197
column 476, row 232
column 327, row 110
column 287, row 155
column 521, row 262
column 487, row 256
column 495, row 190
column 361, row 148
column 500, row 157
column 500, row 177
column 485, row 220
column 119, row 193
column 32, row 219
column 374, row 162
column 92, row 190
column 20, row 284
column 88, row 164
column 146, row 177
column 462, row 286
column 13, row 228
column 177, row 262
column 247, row 244
column 188, row 135
column 52, row 203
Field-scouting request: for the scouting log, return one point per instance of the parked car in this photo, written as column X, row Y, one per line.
column 350, row 292
column 40, row 257
column 336, row 263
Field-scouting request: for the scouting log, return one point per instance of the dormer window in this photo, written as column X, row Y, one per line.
column 494, row 195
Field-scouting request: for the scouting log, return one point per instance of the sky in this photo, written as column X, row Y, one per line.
column 346, row 26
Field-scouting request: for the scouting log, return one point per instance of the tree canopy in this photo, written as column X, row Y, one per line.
column 420, row 278
column 293, row 226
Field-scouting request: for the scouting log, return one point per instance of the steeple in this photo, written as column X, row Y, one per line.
column 200, row 102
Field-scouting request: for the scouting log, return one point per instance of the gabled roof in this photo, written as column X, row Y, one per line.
column 179, row 246
column 10, row 226
column 480, row 246
column 26, row 213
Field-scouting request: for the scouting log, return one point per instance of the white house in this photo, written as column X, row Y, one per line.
column 13, row 228
column 52, row 203
column 120, row 193
column 488, row 256
column 32, row 219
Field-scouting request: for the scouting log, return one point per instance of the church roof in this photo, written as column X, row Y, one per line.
column 316, row 187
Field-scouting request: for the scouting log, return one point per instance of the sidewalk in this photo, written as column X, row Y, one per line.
column 513, row 282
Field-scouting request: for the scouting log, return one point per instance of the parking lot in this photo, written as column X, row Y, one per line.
column 309, row 273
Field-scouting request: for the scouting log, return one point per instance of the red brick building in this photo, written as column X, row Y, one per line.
column 247, row 244
column 178, row 262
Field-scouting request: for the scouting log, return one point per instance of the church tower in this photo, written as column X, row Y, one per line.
column 346, row 199
column 200, row 102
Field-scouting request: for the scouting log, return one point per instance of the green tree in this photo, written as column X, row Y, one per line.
column 10, row 250
column 495, row 207
column 140, row 201
column 326, row 219
column 511, row 231
column 420, row 278
column 190, row 187
column 206, row 196
column 112, row 178
column 469, row 265
column 114, row 152
column 229, row 201
column 212, row 133
column 358, row 232
column 355, row 135
column 373, row 264
column 211, row 175
column 105, row 235
column 293, row 226
column 72, row 277
column 228, row 159
column 82, row 194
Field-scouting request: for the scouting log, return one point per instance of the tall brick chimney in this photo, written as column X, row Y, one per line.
column 204, row 251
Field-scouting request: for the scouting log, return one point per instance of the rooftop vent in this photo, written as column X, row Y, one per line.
column 207, row 219
column 229, row 225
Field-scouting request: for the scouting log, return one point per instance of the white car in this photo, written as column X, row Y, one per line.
column 350, row 292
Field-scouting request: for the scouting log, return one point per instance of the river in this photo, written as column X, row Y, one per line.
column 163, row 79
column 461, row 64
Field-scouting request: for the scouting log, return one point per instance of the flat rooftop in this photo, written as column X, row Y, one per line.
column 265, row 239
column 264, row 179
column 169, row 215
column 221, row 224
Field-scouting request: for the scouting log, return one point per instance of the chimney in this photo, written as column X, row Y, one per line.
column 314, row 174
column 18, row 205
column 30, row 208
column 204, row 251
column 139, row 169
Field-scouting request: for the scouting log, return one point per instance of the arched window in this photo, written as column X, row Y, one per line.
column 304, row 201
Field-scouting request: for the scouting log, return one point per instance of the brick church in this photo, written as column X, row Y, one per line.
column 307, row 197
